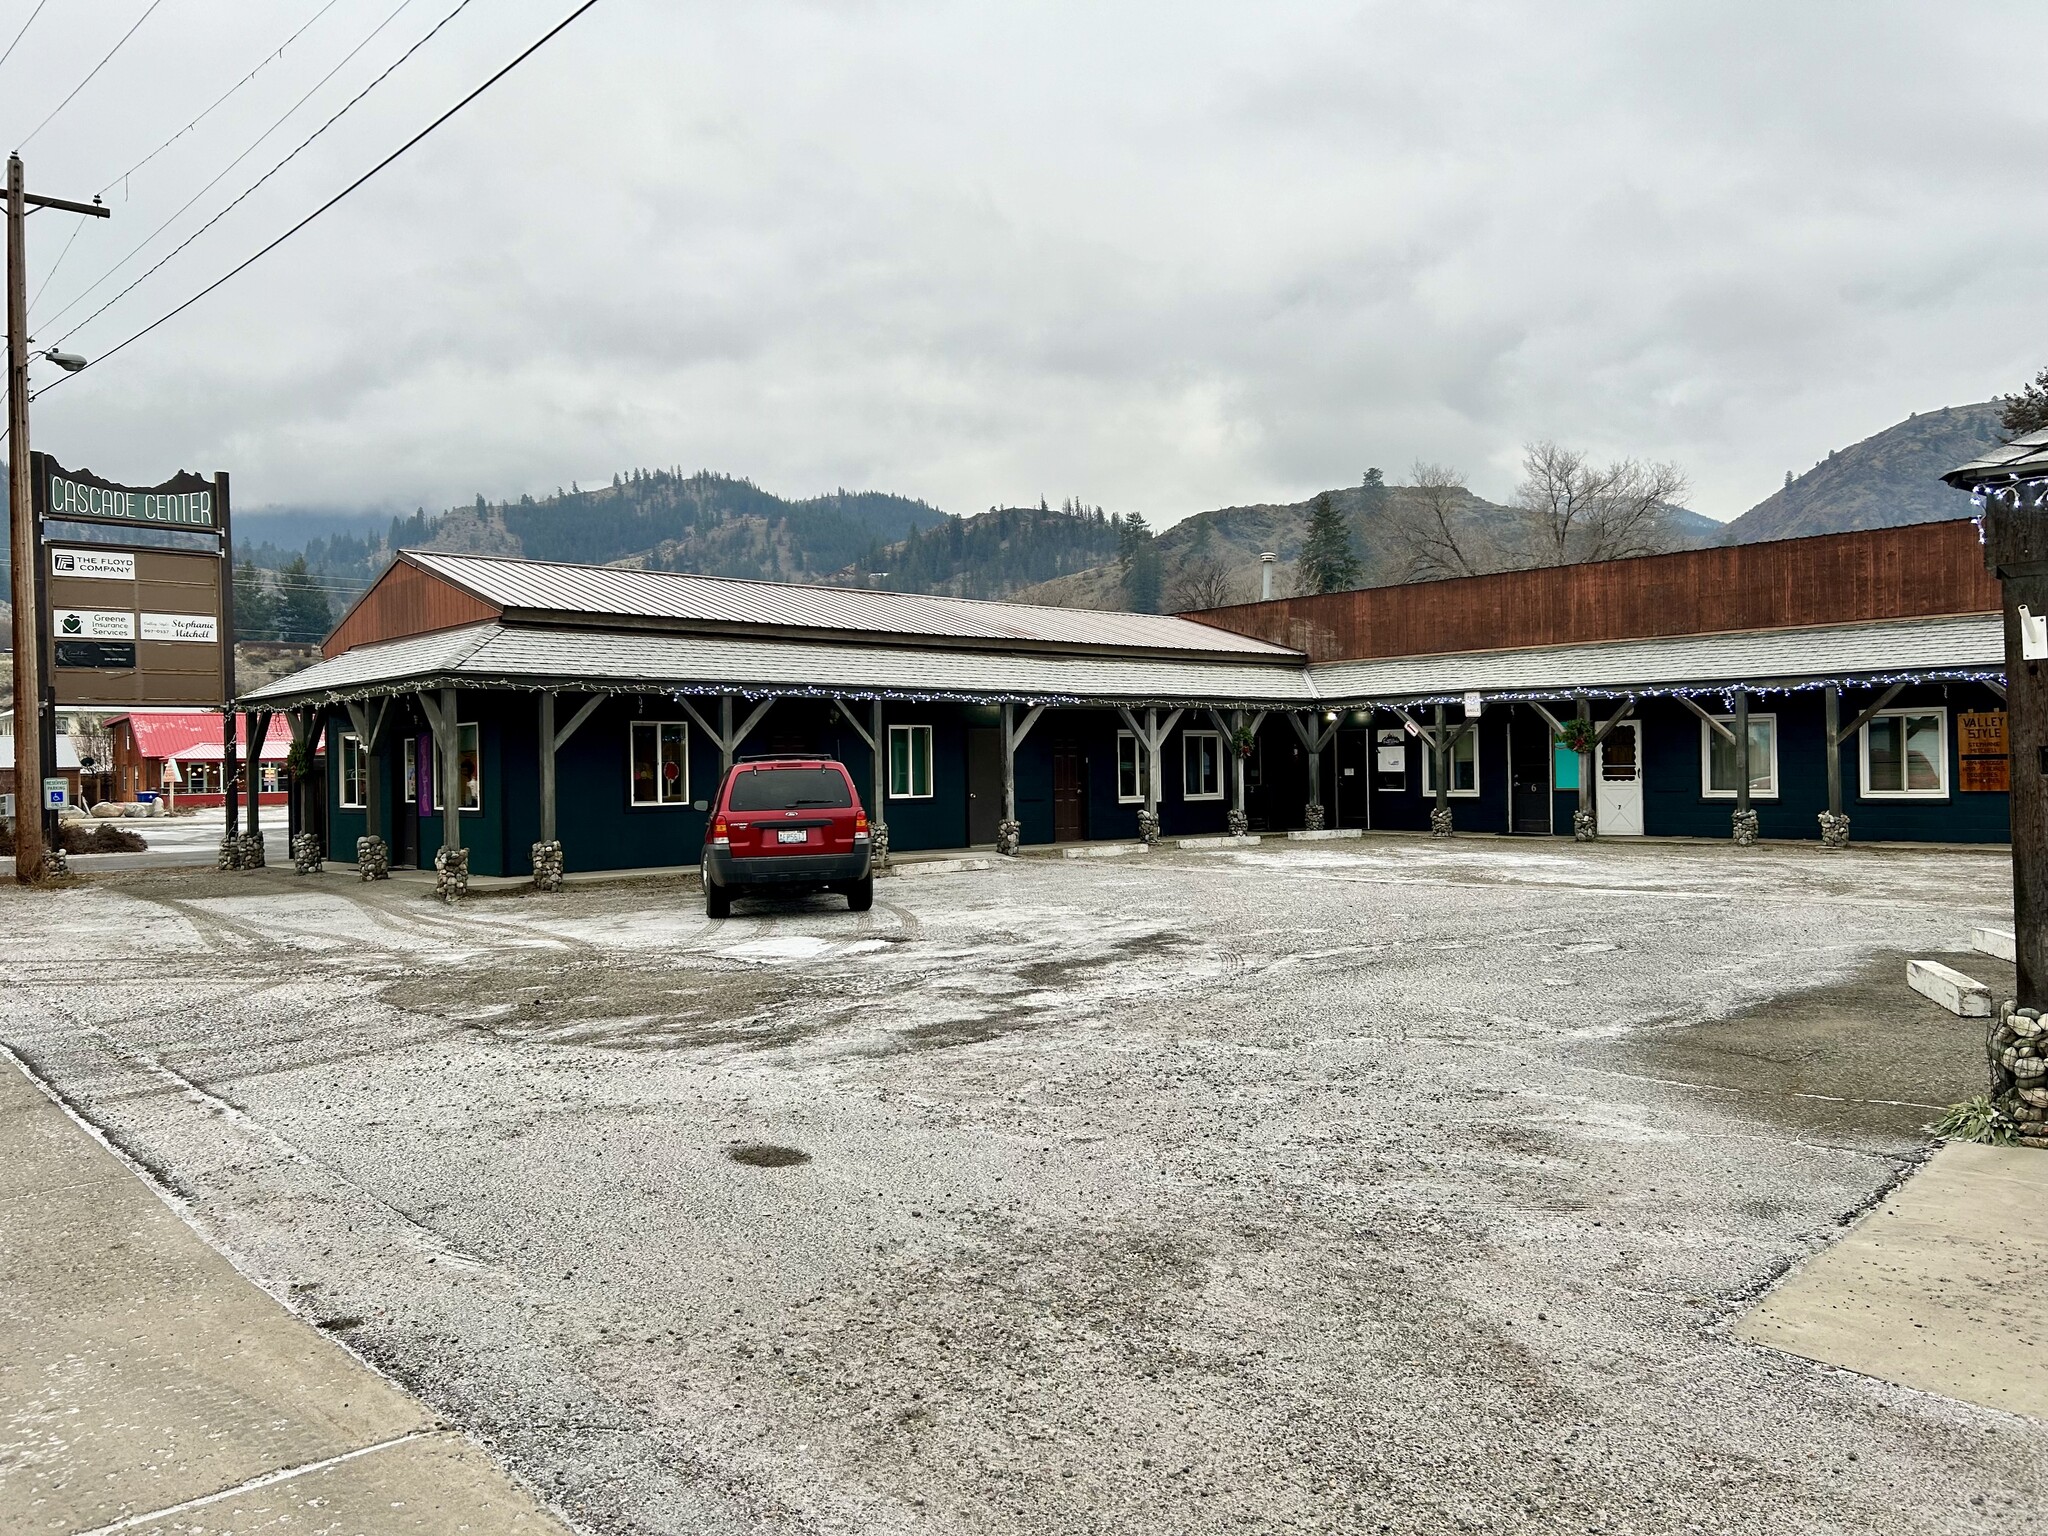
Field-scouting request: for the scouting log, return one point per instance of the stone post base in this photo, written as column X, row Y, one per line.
column 1009, row 835
column 547, row 866
column 1745, row 829
column 373, row 859
column 878, row 844
column 2019, row 1071
column 230, row 855
column 451, row 873
column 251, row 850
column 1148, row 827
column 1834, row 830
column 1439, row 821
column 1237, row 823
column 1312, row 817
column 307, row 854
column 56, row 863
column 1585, row 827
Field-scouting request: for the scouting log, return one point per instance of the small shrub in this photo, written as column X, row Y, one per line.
column 1976, row 1119
column 103, row 837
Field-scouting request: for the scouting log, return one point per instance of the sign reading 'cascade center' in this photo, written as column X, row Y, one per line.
column 186, row 502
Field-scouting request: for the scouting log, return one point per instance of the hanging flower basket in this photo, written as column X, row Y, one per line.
column 1577, row 735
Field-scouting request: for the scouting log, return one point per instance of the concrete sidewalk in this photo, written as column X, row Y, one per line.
column 1936, row 1288
column 147, row 1387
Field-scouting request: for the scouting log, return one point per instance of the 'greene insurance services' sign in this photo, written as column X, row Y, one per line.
column 185, row 501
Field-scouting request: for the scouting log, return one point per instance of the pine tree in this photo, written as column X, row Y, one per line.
column 2026, row 411
column 255, row 606
column 302, row 611
column 1328, row 563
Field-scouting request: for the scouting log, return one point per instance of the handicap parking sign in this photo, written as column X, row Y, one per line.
column 56, row 795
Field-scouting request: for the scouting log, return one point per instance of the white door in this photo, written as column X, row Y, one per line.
column 1618, row 769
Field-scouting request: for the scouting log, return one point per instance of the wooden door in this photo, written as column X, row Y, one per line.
column 984, row 785
column 1529, row 754
column 1069, row 795
column 1619, row 775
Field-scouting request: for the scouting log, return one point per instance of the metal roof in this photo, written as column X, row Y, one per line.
column 1966, row 644
column 656, row 661
column 534, row 587
column 524, row 656
column 2023, row 458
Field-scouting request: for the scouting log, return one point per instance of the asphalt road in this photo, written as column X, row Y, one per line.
column 1373, row 1187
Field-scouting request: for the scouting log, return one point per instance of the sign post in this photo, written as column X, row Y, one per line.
column 2011, row 483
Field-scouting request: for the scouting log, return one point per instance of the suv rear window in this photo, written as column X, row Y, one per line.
column 790, row 789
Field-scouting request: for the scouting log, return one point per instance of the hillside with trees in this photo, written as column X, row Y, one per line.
column 1887, row 480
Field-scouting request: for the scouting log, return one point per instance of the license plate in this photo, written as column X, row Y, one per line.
column 796, row 836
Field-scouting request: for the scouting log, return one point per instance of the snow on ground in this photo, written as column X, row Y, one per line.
column 1397, row 1187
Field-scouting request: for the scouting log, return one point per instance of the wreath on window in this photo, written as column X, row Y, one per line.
column 1577, row 735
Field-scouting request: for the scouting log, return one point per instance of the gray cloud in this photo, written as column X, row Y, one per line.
column 1162, row 256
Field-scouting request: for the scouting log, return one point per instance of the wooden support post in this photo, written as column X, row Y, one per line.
column 1440, row 746
column 1155, row 778
column 229, row 782
column 1834, row 745
column 1009, row 727
column 728, row 744
column 547, row 765
column 880, row 776
column 1741, row 751
column 1589, row 802
column 258, row 721
column 451, row 773
column 2016, row 549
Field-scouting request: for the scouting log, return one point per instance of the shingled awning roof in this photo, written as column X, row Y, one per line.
column 2024, row 458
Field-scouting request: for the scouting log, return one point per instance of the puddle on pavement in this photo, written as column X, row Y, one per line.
column 767, row 1155
column 1866, row 1054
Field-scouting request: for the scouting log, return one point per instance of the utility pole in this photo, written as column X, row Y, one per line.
column 31, row 708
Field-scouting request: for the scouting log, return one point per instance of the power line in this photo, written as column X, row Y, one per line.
column 528, row 52
column 32, row 15
column 250, row 190
column 141, row 245
column 274, row 54
column 39, row 127
column 76, row 226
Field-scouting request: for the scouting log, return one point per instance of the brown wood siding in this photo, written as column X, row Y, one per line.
column 1841, row 578
column 406, row 600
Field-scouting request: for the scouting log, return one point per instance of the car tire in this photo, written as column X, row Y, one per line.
column 860, row 895
column 717, row 899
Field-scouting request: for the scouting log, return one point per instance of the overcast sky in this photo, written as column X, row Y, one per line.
column 1163, row 257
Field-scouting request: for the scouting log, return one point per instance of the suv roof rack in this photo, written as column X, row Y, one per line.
column 785, row 757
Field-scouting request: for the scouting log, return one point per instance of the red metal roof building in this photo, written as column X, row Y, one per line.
column 177, row 753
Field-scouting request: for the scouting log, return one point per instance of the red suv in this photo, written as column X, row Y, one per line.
column 792, row 824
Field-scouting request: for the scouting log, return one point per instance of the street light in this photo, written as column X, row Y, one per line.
column 70, row 362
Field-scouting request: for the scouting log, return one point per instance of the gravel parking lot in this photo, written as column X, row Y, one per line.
column 1381, row 1186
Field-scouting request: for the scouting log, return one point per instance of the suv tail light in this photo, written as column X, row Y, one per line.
column 720, row 836
column 860, row 826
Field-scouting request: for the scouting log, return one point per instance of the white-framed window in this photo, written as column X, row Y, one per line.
column 355, row 773
column 660, row 762
column 1717, row 759
column 410, row 747
column 1130, row 770
column 468, row 764
column 1464, row 765
column 1201, row 765
column 910, row 762
column 1905, row 755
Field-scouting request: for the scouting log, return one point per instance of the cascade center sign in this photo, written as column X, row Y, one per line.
column 136, row 604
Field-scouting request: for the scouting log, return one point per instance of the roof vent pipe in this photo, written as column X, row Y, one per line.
column 1266, row 575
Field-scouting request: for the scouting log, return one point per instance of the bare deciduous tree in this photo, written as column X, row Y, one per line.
column 1580, row 511
column 1429, row 535
column 1203, row 580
